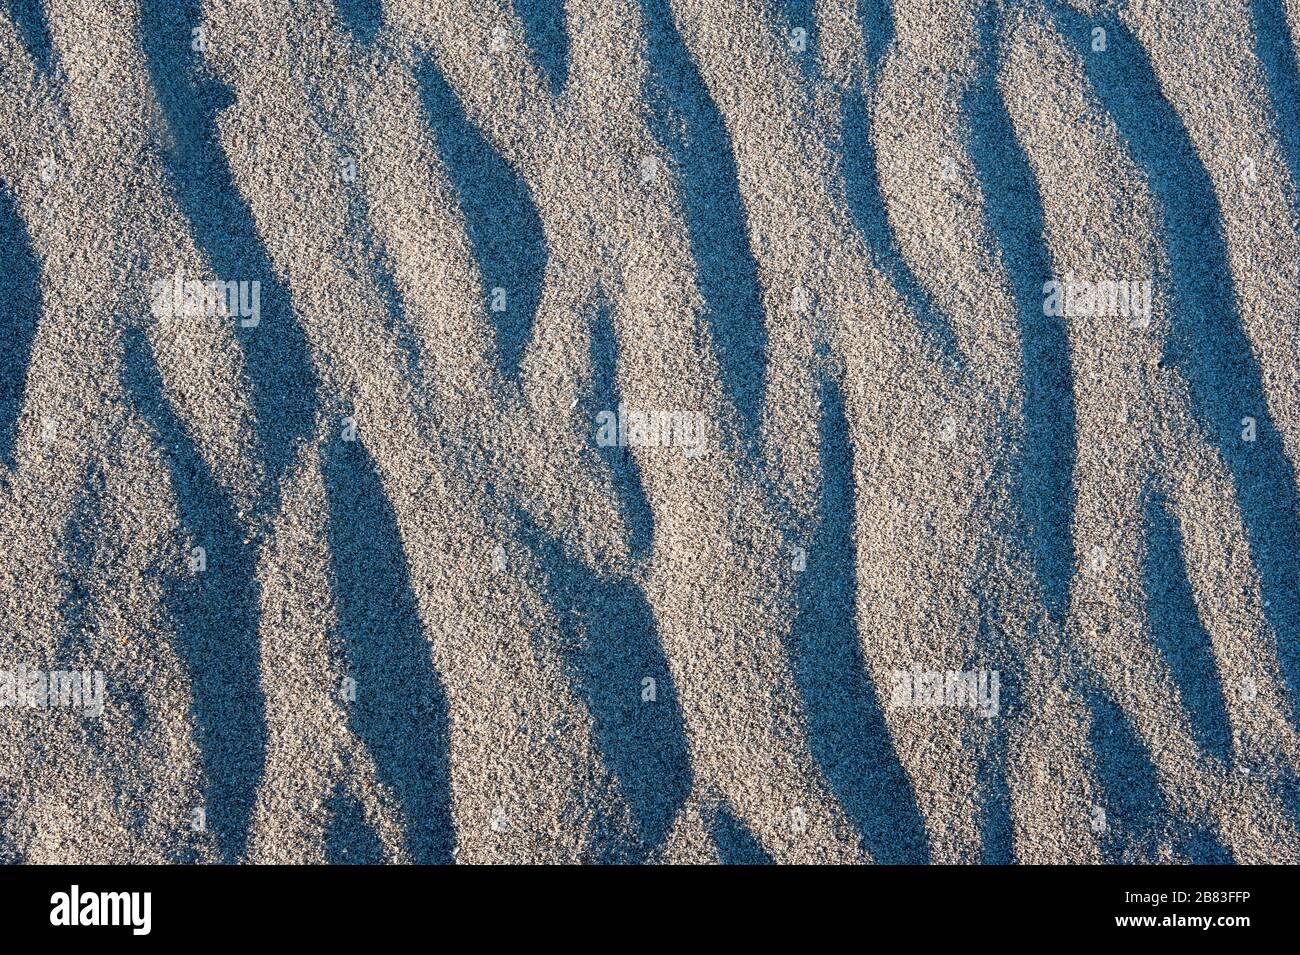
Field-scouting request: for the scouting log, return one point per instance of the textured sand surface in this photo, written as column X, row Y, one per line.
column 365, row 582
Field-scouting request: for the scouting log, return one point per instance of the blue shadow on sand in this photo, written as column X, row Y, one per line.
column 501, row 219
column 1179, row 634
column 277, row 357
column 1134, row 808
column 686, row 121
column 349, row 839
column 86, row 562
column 34, row 30
column 877, row 19
column 847, row 731
column 1277, row 56
column 1207, row 343
column 997, row 825
column 400, row 710
column 1133, row 820
column 364, row 18
column 867, row 206
column 736, row 844
column 862, row 188
column 20, row 298
column 610, row 647
column 215, row 612
column 1044, row 465
column 605, row 396
column 544, row 30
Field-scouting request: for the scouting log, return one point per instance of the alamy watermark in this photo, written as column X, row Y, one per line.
column 75, row 908
column 640, row 428
column 1108, row 298
column 179, row 297
column 933, row 689
column 42, row 689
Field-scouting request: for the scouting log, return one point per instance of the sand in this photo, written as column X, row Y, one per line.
column 881, row 556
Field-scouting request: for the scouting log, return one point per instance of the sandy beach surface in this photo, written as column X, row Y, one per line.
column 670, row 431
